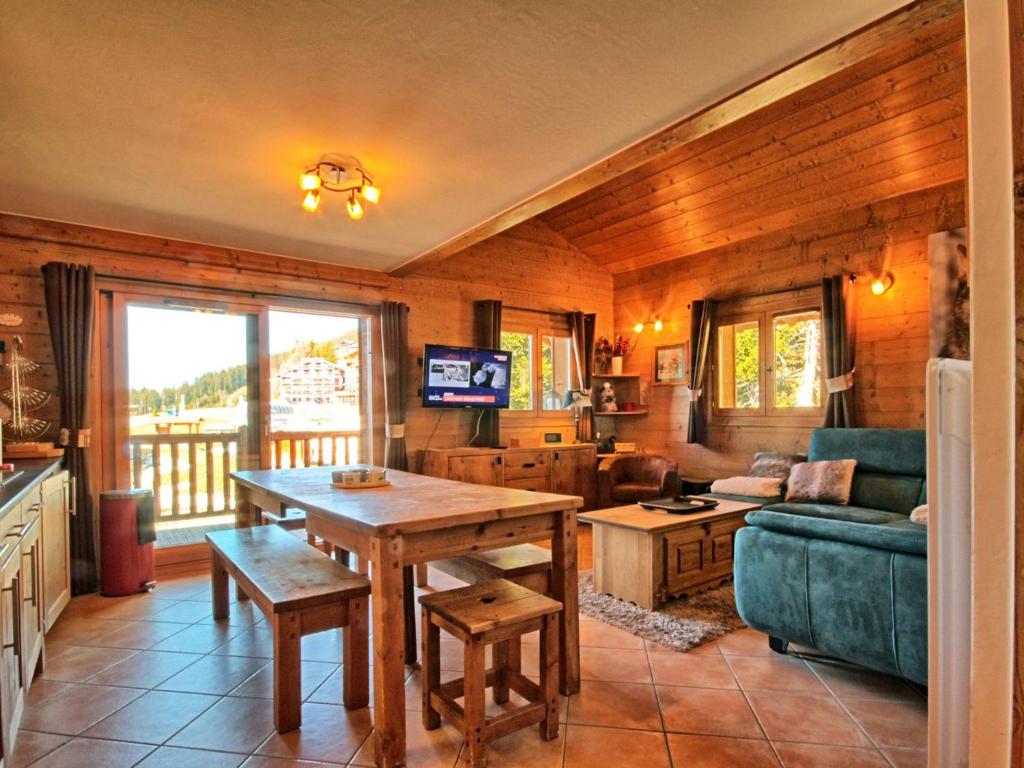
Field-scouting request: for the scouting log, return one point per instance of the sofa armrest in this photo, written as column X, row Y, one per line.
column 903, row 536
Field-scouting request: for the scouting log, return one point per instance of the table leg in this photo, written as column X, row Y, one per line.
column 408, row 582
column 388, row 590
column 565, row 584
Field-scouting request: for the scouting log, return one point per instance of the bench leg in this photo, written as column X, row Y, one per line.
column 421, row 574
column 549, row 675
column 500, row 654
column 430, row 670
column 474, row 723
column 287, row 672
column 219, row 582
column 356, row 655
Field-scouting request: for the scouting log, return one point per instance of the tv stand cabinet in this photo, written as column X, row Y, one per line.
column 563, row 468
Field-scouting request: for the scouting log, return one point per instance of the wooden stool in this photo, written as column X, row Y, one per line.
column 525, row 564
column 499, row 613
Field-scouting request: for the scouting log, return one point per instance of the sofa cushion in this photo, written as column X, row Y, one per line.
column 897, row 535
column 771, row 464
column 884, row 451
column 821, row 481
column 845, row 512
column 895, row 493
column 761, row 487
column 627, row 492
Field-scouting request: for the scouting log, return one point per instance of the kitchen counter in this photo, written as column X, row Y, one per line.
column 32, row 472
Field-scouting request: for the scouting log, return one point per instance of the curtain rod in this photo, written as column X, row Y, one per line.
column 536, row 311
column 809, row 286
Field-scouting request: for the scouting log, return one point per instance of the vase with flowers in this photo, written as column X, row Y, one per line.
column 609, row 355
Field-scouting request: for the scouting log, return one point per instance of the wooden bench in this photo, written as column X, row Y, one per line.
column 302, row 591
column 524, row 564
column 499, row 613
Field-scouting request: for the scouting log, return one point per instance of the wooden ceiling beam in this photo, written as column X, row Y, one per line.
column 872, row 40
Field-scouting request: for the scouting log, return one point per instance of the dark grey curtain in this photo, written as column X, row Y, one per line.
column 582, row 328
column 394, row 332
column 70, row 308
column 701, row 314
column 487, row 334
column 838, row 311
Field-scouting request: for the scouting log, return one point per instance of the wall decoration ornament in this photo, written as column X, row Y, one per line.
column 670, row 364
column 21, row 399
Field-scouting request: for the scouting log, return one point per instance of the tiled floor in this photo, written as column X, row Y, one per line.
column 153, row 681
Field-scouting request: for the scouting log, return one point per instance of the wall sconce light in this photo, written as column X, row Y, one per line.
column 338, row 173
column 658, row 325
column 881, row 283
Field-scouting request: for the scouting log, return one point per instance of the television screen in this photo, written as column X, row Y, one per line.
column 460, row 377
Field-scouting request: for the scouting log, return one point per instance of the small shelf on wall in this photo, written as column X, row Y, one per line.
column 637, row 412
column 616, row 376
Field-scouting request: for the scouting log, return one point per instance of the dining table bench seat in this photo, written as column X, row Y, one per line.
column 301, row 591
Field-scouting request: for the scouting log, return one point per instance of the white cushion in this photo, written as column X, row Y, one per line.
column 760, row 487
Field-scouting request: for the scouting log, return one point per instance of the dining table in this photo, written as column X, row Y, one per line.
column 416, row 519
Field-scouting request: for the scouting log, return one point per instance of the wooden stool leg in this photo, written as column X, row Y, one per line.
column 430, row 670
column 356, row 655
column 475, row 682
column 287, row 672
column 219, row 582
column 501, row 654
column 421, row 574
column 549, row 675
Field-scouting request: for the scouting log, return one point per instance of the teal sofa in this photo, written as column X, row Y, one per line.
column 849, row 581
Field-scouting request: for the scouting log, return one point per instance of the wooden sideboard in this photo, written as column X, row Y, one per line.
column 558, row 468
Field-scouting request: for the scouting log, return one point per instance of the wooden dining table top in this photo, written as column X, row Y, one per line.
column 411, row 503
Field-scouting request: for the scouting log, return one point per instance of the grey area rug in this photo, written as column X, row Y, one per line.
column 681, row 623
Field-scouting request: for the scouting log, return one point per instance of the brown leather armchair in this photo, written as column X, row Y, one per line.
column 632, row 477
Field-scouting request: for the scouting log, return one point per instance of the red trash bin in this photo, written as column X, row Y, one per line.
column 127, row 534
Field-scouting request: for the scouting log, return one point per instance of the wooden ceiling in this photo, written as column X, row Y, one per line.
column 889, row 126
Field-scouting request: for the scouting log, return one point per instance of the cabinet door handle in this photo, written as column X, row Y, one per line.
column 529, row 464
column 16, row 644
column 556, row 455
column 31, row 554
column 497, row 459
column 73, row 501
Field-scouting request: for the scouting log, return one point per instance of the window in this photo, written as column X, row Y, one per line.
column 542, row 363
column 768, row 358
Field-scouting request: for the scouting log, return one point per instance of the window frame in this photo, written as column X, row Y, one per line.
column 765, row 310
column 538, row 326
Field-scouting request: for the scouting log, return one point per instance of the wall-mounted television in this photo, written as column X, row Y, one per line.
column 465, row 377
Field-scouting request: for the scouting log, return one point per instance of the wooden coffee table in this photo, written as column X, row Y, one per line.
column 647, row 556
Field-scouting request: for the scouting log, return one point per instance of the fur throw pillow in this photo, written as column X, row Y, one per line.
column 827, row 482
column 760, row 487
column 770, row 464
column 919, row 515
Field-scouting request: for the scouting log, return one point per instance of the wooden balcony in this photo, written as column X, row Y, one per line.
column 190, row 474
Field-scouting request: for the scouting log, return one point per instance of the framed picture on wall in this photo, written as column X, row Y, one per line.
column 671, row 364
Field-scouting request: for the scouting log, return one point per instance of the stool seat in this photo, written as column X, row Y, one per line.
column 497, row 604
column 525, row 564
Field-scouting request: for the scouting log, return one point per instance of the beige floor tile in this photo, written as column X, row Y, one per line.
column 76, row 663
column 806, row 718
column 823, row 756
column 244, row 614
column 907, row 758
column 78, row 709
column 30, row 746
column 745, row 642
column 597, row 634
column 708, row 712
column 261, row 761
column 82, row 629
column 849, row 682
column 138, row 634
column 214, row 674
column 323, row 646
column 700, row 670
column 78, row 753
column 587, row 747
column 424, row 749
column 194, row 588
column 523, row 749
column 616, row 705
column 197, row 638
column 261, row 684
column 230, row 725
column 177, row 757
column 153, row 718
column 146, row 669
column 611, row 665
column 693, row 751
column 188, row 612
column 252, row 641
column 778, row 673
column 892, row 723
column 140, row 607
column 43, row 690
column 329, row 733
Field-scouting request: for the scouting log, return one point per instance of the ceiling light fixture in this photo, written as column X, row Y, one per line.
column 338, row 173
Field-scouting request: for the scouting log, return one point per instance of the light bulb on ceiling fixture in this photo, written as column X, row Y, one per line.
column 638, row 328
column 311, row 200
column 355, row 210
column 881, row 283
column 658, row 325
column 309, row 180
column 369, row 192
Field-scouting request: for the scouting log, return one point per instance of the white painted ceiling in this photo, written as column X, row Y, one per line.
column 192, row 119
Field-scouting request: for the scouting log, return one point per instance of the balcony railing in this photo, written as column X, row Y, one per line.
column 191, row 474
